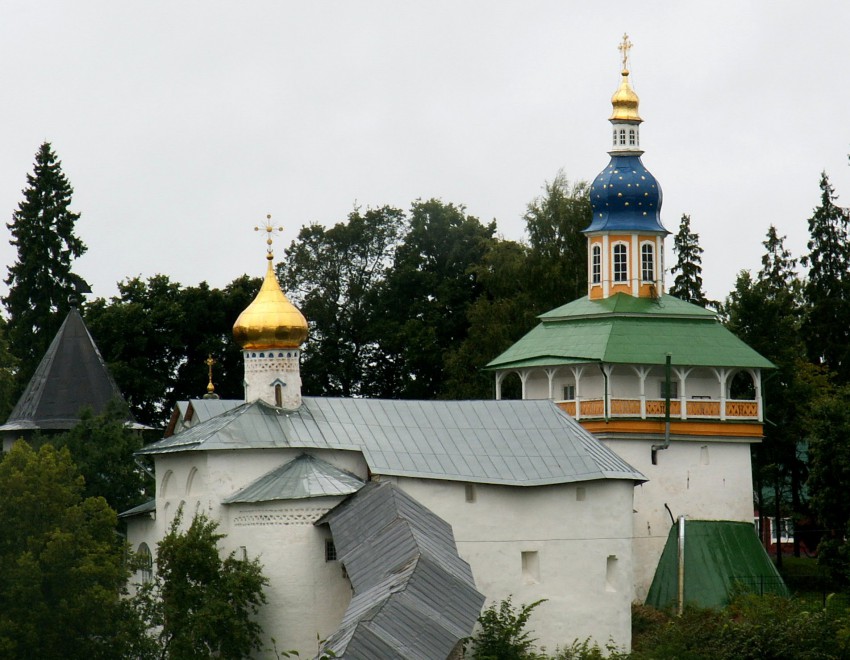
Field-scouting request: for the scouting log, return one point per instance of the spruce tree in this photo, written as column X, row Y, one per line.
column 827, row 290
column 41, row 280
column 687, row 284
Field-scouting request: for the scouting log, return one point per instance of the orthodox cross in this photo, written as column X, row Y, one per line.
column 624, row 48
column 210, row 362
column 270, row 229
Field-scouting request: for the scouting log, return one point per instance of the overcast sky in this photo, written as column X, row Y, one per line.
column 181, row 124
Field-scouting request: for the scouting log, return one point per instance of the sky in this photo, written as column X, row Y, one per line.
column 182, row 124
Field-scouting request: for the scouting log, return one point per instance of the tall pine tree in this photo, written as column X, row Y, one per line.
column 687, row 284
column 41, row 280
column 827, row 292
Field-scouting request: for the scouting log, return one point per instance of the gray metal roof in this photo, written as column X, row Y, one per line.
column 147, row 507
column 414, row 597
column 71, row 376
column 521, row 443
column 306, row 476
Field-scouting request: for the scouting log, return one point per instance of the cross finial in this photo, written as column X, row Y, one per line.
column 269, row 229
column 624, row 48
column 210, row 362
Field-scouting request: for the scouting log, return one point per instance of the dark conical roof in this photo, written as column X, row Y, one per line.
column 71, row 376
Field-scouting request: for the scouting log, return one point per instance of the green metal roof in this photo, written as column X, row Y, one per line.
column 720, row 557
column 628, row 330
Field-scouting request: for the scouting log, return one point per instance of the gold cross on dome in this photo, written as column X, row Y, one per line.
column 270, row 229
column 210, row 362
column 624, row 48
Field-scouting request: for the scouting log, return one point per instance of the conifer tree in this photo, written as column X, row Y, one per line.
column 41, row 280
column 827, row 291
column 687, row 284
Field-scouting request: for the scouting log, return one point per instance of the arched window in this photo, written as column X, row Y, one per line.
column 623, row 136
column 278, row 395
column 621, row 265
column 631, row 137
column 615, row 138
column 596, row 264
column 647, row 262
column 145, row 562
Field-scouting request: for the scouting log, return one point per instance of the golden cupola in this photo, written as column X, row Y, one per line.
column 270, row 321
column 625, row 100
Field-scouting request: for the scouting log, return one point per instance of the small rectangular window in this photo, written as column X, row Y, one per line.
column 330, row 550
column 647, row 262
column 471, row 495
column 611, row 573
column 621, row 267
column 596, row 265
column 569, row 392
column 530, row 567
column 581, row 493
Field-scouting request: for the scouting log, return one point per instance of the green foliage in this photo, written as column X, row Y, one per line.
column 8, row 371
column 63, row 564
column 334, row 275
column 829, row 477
column 426, row 297
column 41, row 280
column 752, row 627
column 554, row 222
column 503, row 634
column 102, row 448
column 200, row 605
column 687, row 284
column 155, row 336
column 827, row 290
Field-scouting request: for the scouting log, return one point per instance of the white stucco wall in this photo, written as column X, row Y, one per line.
column 573, row 539
column 704, row 479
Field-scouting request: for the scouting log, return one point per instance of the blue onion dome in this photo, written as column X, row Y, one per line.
column 625, row 196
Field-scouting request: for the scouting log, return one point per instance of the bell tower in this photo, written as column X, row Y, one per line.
column 625, row 239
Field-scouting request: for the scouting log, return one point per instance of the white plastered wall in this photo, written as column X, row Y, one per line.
column 703, row 479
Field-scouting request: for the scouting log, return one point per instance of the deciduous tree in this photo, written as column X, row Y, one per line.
column 63, row 564
column 200, row 605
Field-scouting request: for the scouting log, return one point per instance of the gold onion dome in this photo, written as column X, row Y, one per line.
column 625, row 101
column 270, row 321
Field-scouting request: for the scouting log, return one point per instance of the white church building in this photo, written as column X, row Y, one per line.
column 384, row 525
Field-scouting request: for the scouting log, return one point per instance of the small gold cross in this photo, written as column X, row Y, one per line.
column 624, row 48
column 270, row 229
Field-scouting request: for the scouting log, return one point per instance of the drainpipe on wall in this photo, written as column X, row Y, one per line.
column 681, row 598
column 666, row 443
column 605, row 395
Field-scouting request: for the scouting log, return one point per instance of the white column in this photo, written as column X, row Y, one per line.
column 722, row 376
column 682, row 375
column 499, row 376
column 606, row 268
column 634, row 266
column 523, row 377
column 577, row 372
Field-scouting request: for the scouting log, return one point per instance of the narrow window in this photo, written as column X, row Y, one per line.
column 623, row 136
column 703, row 455
column 569, row 392
column 530, row 567
column 611, row 573
column 621, row 269
column 471, row 495
column 647, row 262
column 632, row 137
column 615, row 137
column 278, row 396
column 581, row 493
column 145, row 562
column 330, row 550
column 596, row 264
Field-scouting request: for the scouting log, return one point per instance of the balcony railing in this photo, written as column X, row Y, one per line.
column 733, row 409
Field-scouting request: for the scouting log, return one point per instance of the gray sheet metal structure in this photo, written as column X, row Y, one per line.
column 414, row 597
column 519, row 443
column 306, row 476
column 71, row 376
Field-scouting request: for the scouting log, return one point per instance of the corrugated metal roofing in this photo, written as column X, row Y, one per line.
column 521, row 443
column 305, row 476
column 414, row 597
column 627, row 330
column 71, row 376
column 147, row 507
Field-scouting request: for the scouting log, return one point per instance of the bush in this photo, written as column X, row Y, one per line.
column 502, row 635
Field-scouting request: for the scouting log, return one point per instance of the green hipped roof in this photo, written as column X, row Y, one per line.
column 720, row 557
column 628, row 330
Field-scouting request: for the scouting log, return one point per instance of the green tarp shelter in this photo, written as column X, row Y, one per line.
column 721, row 558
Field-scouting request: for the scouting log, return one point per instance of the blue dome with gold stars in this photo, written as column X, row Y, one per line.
column 626, row 197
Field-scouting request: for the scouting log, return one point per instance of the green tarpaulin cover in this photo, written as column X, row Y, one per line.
column 721, row 558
